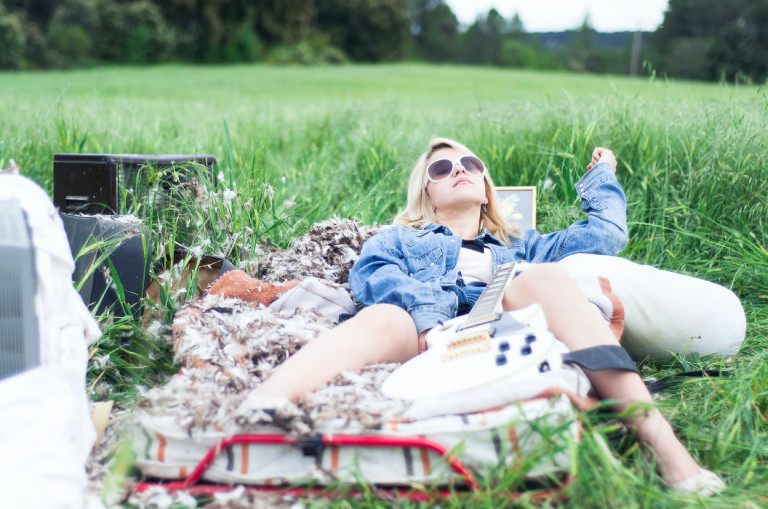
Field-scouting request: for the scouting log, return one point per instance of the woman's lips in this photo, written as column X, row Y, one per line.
column 461, row 180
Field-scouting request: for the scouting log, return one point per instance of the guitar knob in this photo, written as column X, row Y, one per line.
column 503, row 346
column 525, row 350
column 530, row 338
column 501, row 359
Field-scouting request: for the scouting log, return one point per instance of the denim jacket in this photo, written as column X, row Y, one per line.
column 416, row 269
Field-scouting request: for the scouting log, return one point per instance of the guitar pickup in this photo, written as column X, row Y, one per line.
column 469, row 344
column 466, row 349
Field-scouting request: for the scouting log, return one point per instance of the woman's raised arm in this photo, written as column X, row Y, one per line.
column 605, row 229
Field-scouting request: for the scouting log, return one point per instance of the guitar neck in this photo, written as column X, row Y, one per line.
column 488, row 305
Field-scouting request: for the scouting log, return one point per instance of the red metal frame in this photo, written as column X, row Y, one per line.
column 207, row 490
column 189, row 484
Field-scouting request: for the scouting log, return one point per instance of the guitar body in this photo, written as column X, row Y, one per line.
column 484, row 360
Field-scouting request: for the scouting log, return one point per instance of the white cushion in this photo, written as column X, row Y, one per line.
column 664, row 312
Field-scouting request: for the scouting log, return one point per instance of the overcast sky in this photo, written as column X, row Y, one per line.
column 556, row 15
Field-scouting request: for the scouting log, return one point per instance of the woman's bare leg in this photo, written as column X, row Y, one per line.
column 572, row 319
column 378, row 333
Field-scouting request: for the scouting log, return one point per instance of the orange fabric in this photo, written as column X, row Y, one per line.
column 617, row 318
column 238, row 284
column 161, row 447
column 334, row 457
column 425, row 464
column 512, row 437
column 245, row 448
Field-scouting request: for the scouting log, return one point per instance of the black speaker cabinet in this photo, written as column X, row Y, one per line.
column 111, row 183
column 112, row 273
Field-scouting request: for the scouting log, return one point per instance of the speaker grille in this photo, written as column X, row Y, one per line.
column 19, row 346
column 112, row 183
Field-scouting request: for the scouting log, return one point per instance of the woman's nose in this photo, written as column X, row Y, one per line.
column 457, row 168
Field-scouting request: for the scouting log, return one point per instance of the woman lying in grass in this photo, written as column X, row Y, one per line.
column 433, row 265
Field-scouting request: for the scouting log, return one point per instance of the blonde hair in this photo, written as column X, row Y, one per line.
column 419, row 212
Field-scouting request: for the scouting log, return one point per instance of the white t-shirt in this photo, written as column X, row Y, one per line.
column 475, row 265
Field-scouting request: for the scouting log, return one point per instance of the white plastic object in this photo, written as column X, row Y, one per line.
column 46, row 431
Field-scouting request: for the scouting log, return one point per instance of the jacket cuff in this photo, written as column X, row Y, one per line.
column 429, row 316
column 596, row 175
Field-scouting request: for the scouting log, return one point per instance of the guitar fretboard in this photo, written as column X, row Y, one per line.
column 488, row 305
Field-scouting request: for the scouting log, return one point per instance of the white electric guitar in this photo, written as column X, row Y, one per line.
column 485, row 359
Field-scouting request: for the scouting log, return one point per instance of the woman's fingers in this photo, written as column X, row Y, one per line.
column 595, row 157
column 602, row 155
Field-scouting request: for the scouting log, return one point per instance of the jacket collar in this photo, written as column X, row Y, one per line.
column 484, row 236
column 434, row 228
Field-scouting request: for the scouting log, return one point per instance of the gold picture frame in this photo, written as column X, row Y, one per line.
column 518, row 205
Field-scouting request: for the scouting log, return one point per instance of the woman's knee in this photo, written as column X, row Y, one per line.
column 539, row 279
column 542, row 274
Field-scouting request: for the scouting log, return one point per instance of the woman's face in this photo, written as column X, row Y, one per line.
column 460, row 191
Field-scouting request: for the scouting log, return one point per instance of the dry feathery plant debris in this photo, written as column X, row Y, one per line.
column 12, row 169
column 227, row 347
column 242, row 498
column 158, row 497
column 100, row 460
column 327, row 251
column 238, row 498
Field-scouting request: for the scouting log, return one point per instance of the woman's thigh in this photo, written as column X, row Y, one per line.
column 387, row 332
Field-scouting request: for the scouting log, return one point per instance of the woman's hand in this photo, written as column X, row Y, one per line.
column 602, row 155
column 423, row 341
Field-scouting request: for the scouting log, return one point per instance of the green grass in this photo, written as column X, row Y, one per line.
column 693, row 160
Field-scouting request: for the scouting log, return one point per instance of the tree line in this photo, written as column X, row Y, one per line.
column 698, row 39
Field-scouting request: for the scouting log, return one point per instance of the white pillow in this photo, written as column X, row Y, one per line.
column 664, row 312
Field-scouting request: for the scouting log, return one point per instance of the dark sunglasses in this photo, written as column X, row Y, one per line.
column 440, row 170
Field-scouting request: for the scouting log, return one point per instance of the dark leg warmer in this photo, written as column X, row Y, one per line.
column 598, row 358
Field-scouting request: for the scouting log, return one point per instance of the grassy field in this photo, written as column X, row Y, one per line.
column 693, row 160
